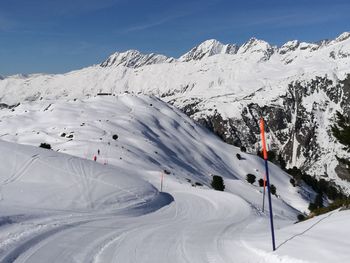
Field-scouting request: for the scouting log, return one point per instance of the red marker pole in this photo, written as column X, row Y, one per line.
column 262, row 134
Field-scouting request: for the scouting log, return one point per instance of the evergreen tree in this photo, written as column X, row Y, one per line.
column 45, row 145
column 273, row 189
column 251, row 178
column 261, row 182
column 218, row 183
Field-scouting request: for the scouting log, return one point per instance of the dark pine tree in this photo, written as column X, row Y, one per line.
column 251, row 178
column 218, row 183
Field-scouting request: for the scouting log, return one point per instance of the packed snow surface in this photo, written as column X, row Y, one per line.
column 61, row 206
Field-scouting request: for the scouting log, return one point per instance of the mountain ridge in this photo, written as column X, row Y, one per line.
column 134, row 58
column 298, row 87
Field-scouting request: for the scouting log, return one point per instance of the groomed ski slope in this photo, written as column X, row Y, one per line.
column 59, row 208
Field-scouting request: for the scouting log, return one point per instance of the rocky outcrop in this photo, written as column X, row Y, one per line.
column 295, row 127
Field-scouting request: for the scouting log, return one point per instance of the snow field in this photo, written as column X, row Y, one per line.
column 60, row 206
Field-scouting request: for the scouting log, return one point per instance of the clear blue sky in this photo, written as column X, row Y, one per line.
column 56, row 36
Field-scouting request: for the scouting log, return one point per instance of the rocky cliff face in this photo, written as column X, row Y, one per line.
column 298, row 126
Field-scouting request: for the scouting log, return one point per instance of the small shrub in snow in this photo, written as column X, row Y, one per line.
column 218, row 183
column 251, row 178
column 115, row 137
column 243, row 149
column 301, row 217
column 45, row 146
column 261, row 182
column 273, row 189
column 63, row 134
column 292, row 181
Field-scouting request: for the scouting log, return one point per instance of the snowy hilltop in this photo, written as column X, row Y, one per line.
column 297, row 87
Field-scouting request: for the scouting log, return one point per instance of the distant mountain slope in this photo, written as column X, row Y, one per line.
column 208, row 48
column 134, row 59
column 297, row 87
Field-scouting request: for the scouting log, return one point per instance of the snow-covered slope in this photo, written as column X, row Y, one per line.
column 152, row 137
column 59, row 208
column 36, row 178
column 297, row 87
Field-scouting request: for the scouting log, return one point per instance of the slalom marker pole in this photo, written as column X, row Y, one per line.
column 161, row 182
column 262, row 134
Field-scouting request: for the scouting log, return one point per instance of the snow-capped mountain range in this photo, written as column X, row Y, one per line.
column 297, row 87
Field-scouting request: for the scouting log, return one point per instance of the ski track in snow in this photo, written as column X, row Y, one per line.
column 188, row 230
column 20, row 172
column 178, row 232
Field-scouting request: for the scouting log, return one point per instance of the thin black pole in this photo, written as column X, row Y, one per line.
column 263, row 205
column 270, row 206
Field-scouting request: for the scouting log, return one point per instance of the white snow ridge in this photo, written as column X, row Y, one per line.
column 128, row 176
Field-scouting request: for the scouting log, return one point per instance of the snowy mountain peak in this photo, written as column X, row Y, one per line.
column 257, row 46
column 210, row 43
column 135, row 59
column 343, row 36
column 254, row 44
column 208, row 48
column 288, row 47
column 308, row 46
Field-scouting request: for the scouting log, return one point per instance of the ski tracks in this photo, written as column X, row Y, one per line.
column 21, row 171
column 190, row 230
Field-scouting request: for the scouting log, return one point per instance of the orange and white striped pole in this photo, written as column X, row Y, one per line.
column 262, row 134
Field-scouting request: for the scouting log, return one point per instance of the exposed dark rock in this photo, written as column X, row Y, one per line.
column 292, row 128
column 343, row 171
